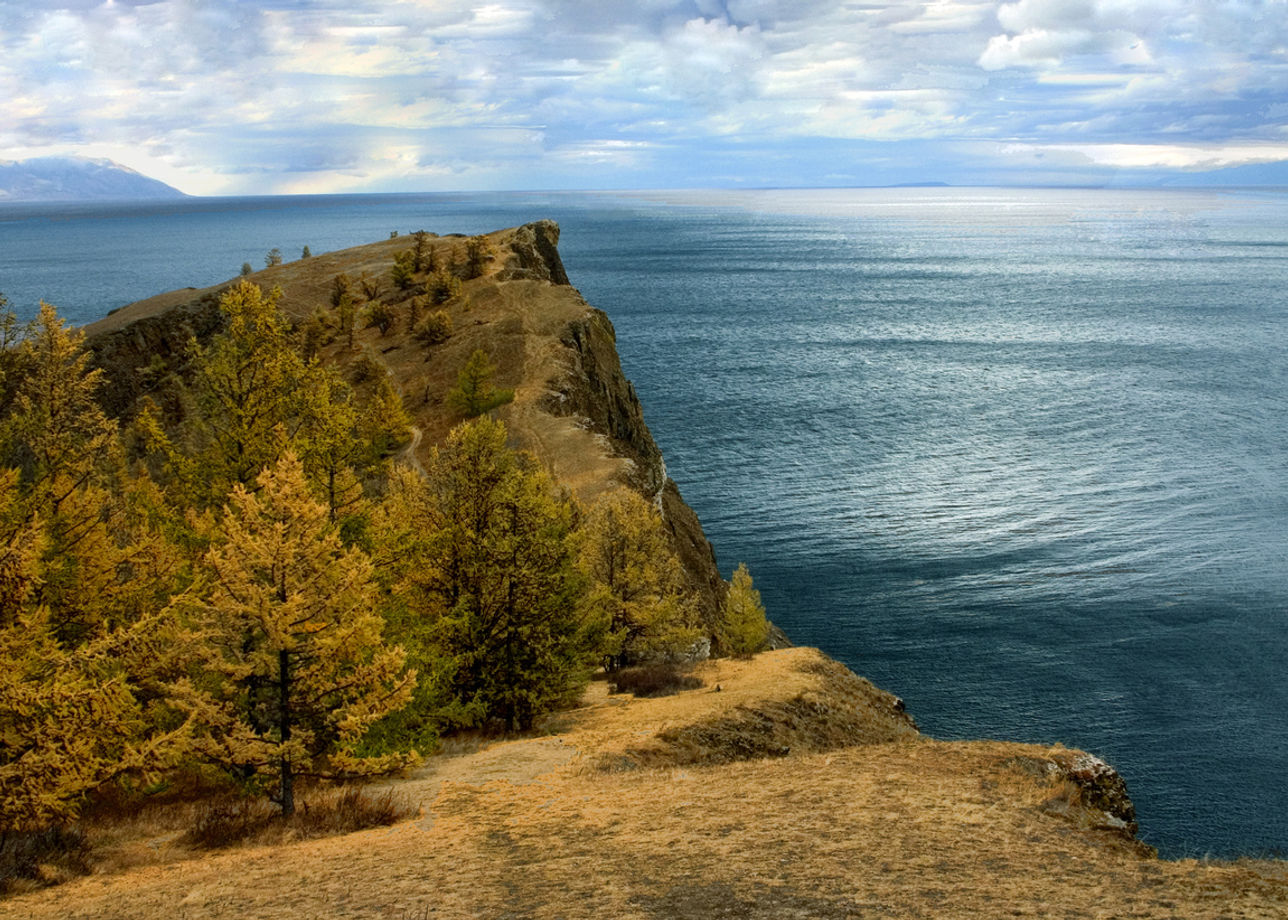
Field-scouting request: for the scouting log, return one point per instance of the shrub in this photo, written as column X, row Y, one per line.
column 371, row 287
column 654, row 679
column 381, row 316
column 367, row 369
column 443, row 286
column 246, row 269
column 434, row 329
column 274, row 257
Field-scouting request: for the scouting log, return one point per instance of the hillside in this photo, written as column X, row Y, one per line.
column 77, row 179
column 573, row 407
column 785, row 786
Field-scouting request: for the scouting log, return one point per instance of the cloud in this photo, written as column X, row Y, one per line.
column 226, row 96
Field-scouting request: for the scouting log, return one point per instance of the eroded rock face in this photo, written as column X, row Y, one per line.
column 130, row 354
column 1084, row 790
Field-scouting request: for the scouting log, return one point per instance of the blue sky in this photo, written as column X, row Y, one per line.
column 305, row 96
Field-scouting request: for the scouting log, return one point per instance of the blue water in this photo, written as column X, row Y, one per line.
column 1017, row 456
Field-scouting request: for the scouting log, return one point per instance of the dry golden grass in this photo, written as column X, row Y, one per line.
column 560, row 826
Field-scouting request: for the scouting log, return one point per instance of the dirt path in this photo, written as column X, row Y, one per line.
column 409, row 455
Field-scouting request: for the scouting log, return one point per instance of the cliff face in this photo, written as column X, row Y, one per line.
column 574, row 407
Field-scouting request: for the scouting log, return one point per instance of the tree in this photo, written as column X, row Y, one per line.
column 294, row 664
column 341, row 284
column 246, row 269
column 488, row 583
column 274, row 257
column 348, row 313
column 744, row 630
column 474, row 394
column 306, row 253
column 420, row 252
column 69, row 719
column 404, row 272
column 60, row 434
column 249, row 384
column 477, row 255
column 636, row 583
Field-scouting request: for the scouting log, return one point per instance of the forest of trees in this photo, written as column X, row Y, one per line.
column 252, row 583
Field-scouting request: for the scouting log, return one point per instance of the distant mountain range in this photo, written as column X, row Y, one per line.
column 77, row 179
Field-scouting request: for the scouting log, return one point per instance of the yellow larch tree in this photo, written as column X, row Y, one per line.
column 637, row 585
column 293, row 666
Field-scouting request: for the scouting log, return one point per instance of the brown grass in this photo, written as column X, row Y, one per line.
column 898, row 826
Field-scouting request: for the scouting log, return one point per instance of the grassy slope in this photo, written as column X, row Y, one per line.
column 625, row 809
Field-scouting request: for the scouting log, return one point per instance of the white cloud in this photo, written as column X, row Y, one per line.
column 222, row 95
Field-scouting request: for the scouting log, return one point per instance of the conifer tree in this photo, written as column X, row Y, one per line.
column 403, row 273
column 637, row 585
column 420, row 251
column 249, row 383
column 491, row 595
column 474, row 394
column 476, row 256
column 59, row 434
column 68, row 718
column 744, row 630
column 293, row 658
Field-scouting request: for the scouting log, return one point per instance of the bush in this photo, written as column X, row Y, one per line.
column 367, row 369
column 434, row 329
column 36, row 859
column 443, row 286
column 654, row 679
column 381, row 316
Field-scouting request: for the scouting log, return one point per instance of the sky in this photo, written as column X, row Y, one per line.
column 220, row 97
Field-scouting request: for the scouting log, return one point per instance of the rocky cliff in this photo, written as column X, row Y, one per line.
column 574, row 408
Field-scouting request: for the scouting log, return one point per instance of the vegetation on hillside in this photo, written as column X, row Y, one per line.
column 245, row 580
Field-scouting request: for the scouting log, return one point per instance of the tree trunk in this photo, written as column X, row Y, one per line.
column 287, row 791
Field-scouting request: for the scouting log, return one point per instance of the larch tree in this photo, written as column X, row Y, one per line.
column 637, row 585
column 294, row 667
column 69, row 720
column 491, row 592
column 248, row 386
column 474, row 394
column 744, row 629
column 72, row 480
